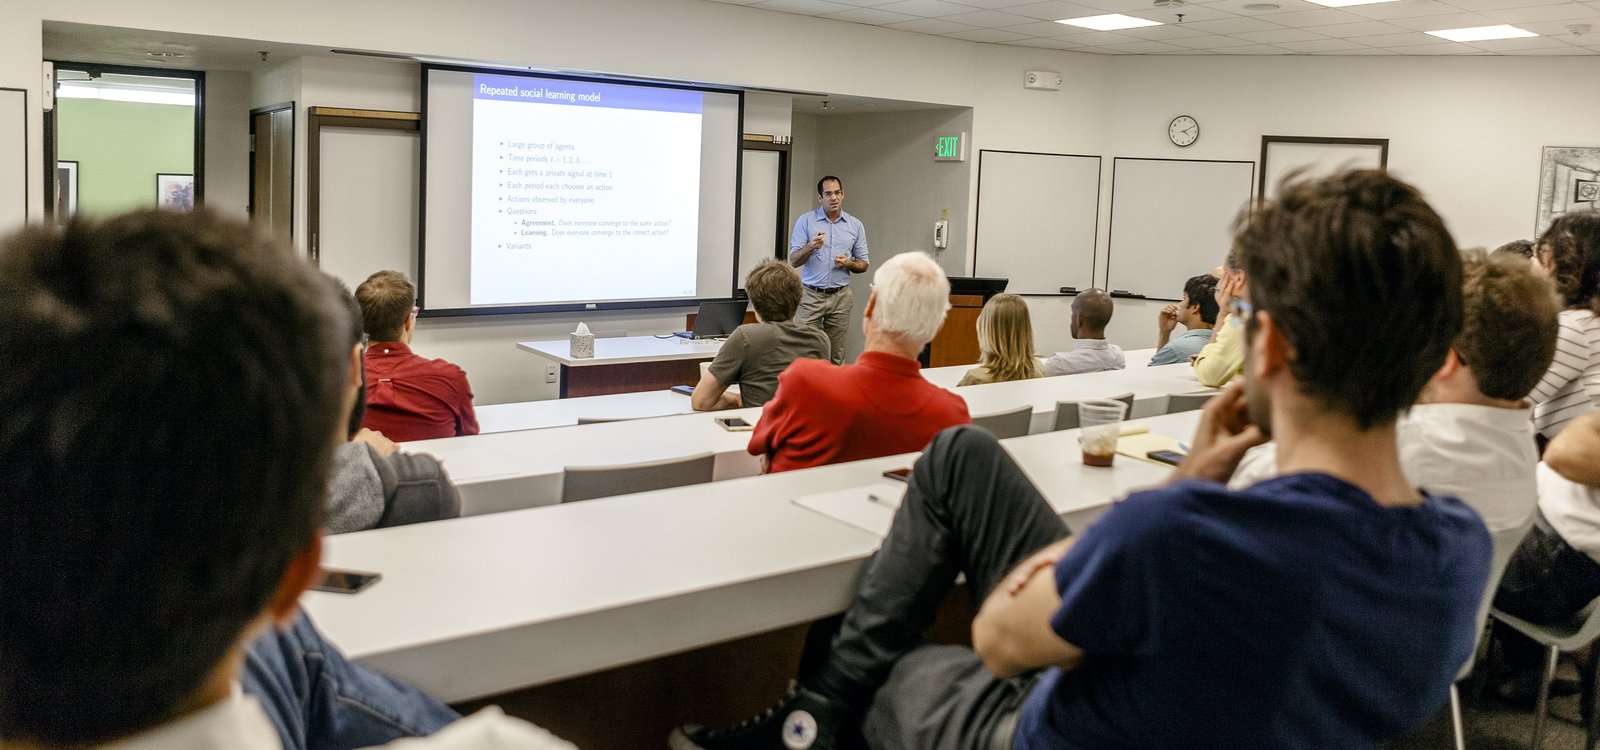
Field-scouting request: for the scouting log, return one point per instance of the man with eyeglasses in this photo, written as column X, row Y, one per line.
column 409, row 397
column 828, row 245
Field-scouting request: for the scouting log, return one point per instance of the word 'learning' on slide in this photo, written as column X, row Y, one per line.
column 583, row 191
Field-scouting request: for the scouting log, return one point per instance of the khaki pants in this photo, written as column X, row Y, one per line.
column 829, row 313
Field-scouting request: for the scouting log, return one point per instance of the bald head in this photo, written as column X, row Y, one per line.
column 1091, row 312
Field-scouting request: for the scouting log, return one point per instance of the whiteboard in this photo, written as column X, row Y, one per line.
column 369, row 203
column 13, row 160
column 1036, row 220
column 758, row 211
column 1172, row 219
column 1282, row 155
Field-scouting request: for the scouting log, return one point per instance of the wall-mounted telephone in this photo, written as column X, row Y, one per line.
column 941, row 235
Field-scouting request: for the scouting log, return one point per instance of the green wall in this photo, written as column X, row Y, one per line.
column 119, row 147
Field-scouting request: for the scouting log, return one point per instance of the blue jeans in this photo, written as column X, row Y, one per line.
column 320, row 701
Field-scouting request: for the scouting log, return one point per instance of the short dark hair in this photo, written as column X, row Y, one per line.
column 387, row 299
column 354, row 333
column 1523, row 248
column 1202, row 290
column 1365, row 247
column 774, row 290
column 1509, row 334
column 170, row 407
column 825, row 179
column 1571, row 247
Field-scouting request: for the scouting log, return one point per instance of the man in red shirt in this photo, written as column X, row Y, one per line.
column 408, row 397
column 824, row 413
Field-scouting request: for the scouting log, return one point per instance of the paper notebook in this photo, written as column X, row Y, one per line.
column 1139, row 445
column 870, row 507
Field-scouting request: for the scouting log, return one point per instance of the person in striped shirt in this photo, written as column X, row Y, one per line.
column 1569, row 253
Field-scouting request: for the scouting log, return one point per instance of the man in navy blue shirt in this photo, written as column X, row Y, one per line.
column 1330, row 607
column 828, row 245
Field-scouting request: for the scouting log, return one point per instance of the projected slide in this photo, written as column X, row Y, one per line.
column 583, row 191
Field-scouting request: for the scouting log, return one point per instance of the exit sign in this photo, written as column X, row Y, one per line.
column 951, row 147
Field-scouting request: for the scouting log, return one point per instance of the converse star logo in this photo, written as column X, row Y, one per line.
column 799, row 730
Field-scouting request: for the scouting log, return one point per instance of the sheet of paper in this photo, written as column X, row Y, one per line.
column 869, row 507
column 1139, row 446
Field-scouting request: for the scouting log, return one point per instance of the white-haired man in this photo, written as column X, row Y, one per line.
column 881, row 405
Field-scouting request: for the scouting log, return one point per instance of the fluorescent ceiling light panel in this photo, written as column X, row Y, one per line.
column 1109, row 22
column 1483, row 33
column 1348, row 3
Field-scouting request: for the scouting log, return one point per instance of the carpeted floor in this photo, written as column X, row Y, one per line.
column 1492, row 724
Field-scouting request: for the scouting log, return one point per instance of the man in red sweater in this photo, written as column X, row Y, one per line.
column 408, row 397
column 824, row 413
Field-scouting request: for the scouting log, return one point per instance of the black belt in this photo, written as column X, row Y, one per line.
column 820, row 290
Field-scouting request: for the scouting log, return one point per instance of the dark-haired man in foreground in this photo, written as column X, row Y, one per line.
column 172, row 404
column 1330, row 607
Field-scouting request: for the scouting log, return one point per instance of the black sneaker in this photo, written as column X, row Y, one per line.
column 803, row 720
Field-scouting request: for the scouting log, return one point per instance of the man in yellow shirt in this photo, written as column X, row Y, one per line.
column 1223, row 358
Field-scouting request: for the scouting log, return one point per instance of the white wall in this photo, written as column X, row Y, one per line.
column 227, row 131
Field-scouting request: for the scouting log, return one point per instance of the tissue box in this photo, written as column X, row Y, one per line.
column 582, row 345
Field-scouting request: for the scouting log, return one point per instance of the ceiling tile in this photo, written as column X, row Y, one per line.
column 1284, row 6
column 1363, row 52
column 1045, row 43
column 1321, row 45
column 1408, row 38
column 1122, row 6
column 993, row 4
column 1559, row 29
column 872, row 16
column 1436, row 23
column 987, row 35
column 1278, row 35
column 1448, row 48
column 931, row 26
column 1213, row 41
column 804, row 7
column 1562, row 12
column 1364, row 28
column 1189, row 52
column 1234, row 25
column 1508, row 45
column 988, row 19
column 1407, row 9
column 925, row 8
column 1170, row 31
column 1253, row 49
column 1311, row 18
column 1052, row 10
column 1191, row 14
column 1102, row 39
column 1146, row 48
column 1568, row 50
column 1481, row 6
column 1048, row 28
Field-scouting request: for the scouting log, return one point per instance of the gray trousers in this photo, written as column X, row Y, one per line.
column 969, row 510
column 829, row 313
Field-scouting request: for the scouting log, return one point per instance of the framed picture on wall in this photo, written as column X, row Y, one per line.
column 1306, row 157
column 66, row 189
column 1569, row 179
column 175, row 191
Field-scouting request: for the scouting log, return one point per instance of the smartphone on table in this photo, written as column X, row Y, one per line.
column 335, row 581
column 735, row 424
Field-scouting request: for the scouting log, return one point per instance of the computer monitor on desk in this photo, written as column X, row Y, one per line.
column 716, row 319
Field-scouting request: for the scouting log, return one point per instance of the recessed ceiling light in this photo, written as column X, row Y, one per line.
column 1109, row 22
column 165, row 54
column 1348, row 3
column 1483, row 33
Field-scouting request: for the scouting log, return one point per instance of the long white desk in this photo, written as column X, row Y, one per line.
column 474, row 607
column 522, row 469
column 626, row 364
column 558, row 412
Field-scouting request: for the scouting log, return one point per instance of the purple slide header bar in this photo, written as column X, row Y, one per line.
column 584, row 94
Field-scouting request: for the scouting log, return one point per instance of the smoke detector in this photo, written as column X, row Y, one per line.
column 1579, row 29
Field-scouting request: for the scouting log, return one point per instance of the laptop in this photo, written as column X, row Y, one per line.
column 716, row 319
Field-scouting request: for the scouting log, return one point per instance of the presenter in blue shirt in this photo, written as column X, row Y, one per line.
column 828, row 245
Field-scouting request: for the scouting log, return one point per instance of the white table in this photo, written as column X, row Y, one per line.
column 557, row 412
column 626, row 364
column 474, row 607
column 522, row 469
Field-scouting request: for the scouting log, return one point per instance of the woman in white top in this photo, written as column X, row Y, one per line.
column 1569, row 253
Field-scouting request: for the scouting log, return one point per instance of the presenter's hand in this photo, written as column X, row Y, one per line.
column 1225, row 433
column 842, row 261
column 1167, row 319
column 816, row 242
